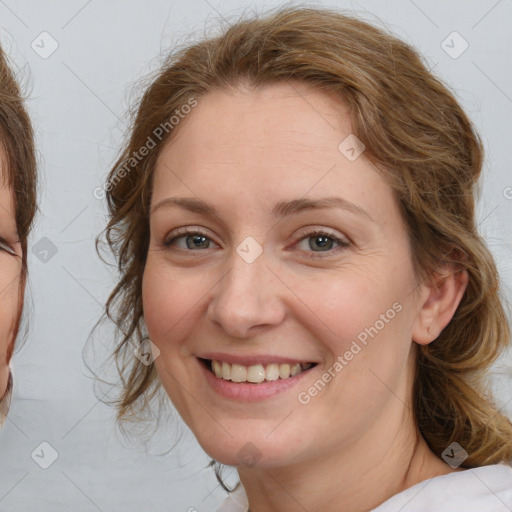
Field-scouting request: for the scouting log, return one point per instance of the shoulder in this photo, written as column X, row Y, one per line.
column 486, row 488
column 235, row 502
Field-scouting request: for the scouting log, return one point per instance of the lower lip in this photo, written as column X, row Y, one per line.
column 247, row 392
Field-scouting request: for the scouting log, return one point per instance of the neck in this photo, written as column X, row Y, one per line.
column 358, row 477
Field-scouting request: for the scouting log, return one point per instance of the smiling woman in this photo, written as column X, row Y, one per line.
column 17, row 210
column 308, row 231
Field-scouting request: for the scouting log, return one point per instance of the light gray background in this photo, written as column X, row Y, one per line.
column 78, row 97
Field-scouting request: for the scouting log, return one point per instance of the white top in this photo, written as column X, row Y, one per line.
column 483, row 489
column 5, row 401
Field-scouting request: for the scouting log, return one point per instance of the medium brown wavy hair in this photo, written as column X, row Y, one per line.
column 19, row 156
column 418, row 138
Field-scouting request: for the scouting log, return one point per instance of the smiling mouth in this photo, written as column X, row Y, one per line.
column 255, row 374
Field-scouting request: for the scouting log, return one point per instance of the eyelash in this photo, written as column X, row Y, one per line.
column 5, row 246
column 342, row 244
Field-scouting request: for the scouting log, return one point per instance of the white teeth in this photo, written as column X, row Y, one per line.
column 272, row 372
column 295, row 369
column 217, row 368
column 226, row 371
column 238, row 373
column 284, row 371
column 257, row 373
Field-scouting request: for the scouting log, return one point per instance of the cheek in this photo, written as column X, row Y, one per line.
column 172, row 311
column 370, row 318
column 171, row 300
column 10, row 282
column 348, row 303
column 364, row 321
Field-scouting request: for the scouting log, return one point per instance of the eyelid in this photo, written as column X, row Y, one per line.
column 317, row 230
column 342, row 241
column 184, row 231
column 6, row 246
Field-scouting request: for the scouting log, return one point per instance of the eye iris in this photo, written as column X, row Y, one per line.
column 197, row 241
column 325, row 242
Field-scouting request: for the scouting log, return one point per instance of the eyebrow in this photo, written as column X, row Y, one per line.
column 280, row 210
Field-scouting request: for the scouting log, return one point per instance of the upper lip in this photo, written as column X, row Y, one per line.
column 254, row 359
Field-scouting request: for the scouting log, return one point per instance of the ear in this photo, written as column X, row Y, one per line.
column 440, row 299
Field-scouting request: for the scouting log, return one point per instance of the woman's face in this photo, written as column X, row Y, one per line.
column 10, row 274
column 266, row 280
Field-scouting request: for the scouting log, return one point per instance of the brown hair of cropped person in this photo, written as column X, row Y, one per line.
column 415, row 134
column 17, row 143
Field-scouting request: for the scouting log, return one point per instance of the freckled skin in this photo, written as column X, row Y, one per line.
column 243, row 152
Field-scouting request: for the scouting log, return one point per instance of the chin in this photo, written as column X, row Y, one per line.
column 242, row 451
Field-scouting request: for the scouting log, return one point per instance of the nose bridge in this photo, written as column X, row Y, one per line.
column 246, row 296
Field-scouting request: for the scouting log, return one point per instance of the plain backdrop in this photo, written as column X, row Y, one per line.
column 79, row 61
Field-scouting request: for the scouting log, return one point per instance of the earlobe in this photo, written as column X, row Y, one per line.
column 443, row 296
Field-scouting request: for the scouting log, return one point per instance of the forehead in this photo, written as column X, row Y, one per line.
column 292, row 115
column 279, row 140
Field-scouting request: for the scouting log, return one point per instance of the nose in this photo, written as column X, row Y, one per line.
column 247, row 299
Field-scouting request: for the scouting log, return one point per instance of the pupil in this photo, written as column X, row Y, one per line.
column 324, row 241
column 197, row 240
